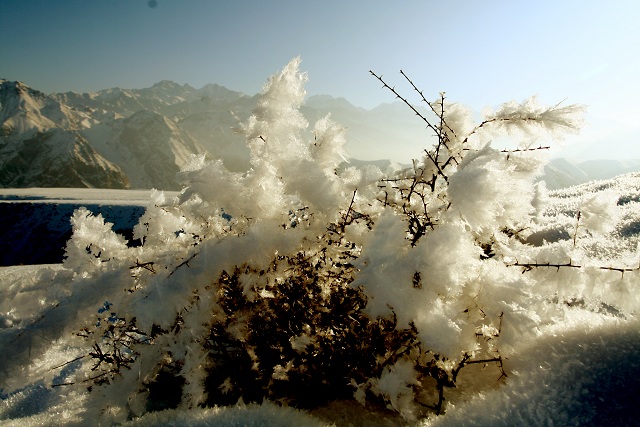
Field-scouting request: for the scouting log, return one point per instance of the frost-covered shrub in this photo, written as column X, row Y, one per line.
column 93, row 243
column 302, row 340
column 300, row 282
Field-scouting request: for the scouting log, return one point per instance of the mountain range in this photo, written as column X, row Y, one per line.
column 115, row 138
column 140, row 138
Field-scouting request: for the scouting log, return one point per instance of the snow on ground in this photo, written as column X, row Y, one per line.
column 76, row 195
column 267, row 414
column 584, row 370
column 573, row 375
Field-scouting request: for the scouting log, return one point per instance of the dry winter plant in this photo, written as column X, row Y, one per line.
column 299, row 284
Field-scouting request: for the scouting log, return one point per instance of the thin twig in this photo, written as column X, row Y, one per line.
column 406, row 102
column 428, row 103
column 185, row 262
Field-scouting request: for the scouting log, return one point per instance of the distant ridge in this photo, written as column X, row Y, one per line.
column 562, row 173
column 140, row 138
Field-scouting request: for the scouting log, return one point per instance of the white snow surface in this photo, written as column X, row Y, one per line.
column 583, row 370
column 80, row 195
column 577, row 374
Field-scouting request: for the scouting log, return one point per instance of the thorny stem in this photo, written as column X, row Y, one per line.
column 465, row 361
column 575, row 233
column 530, row 266
column 405, row 101
column 442, row 137
column 86, row 380
column 185, row 262
column 146, row 265
column 346, row 215
column 416, row 184
column 517, row 150
column 509, row 119
column 441, row 114
column 69, row 362
column 498, row 119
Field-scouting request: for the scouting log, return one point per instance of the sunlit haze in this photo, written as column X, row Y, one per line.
column 480, row 53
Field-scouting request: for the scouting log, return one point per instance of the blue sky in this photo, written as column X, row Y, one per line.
column 481, row 53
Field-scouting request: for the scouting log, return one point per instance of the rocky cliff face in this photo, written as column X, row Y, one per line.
column 57, row 158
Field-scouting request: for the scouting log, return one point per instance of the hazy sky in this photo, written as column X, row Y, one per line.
column 480, row 52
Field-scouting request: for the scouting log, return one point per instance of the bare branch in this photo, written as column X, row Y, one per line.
column 530, row 266
column 400, row 97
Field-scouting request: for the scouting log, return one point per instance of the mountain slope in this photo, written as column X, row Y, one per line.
column 152, row 149
column 562, row 173
column 93, row 141
column 25, row 110
column 41, row 144
column 117, row 137
column 57, row 158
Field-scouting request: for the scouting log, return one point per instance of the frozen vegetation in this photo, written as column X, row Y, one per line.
column 455, row 292
column 35, row 226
